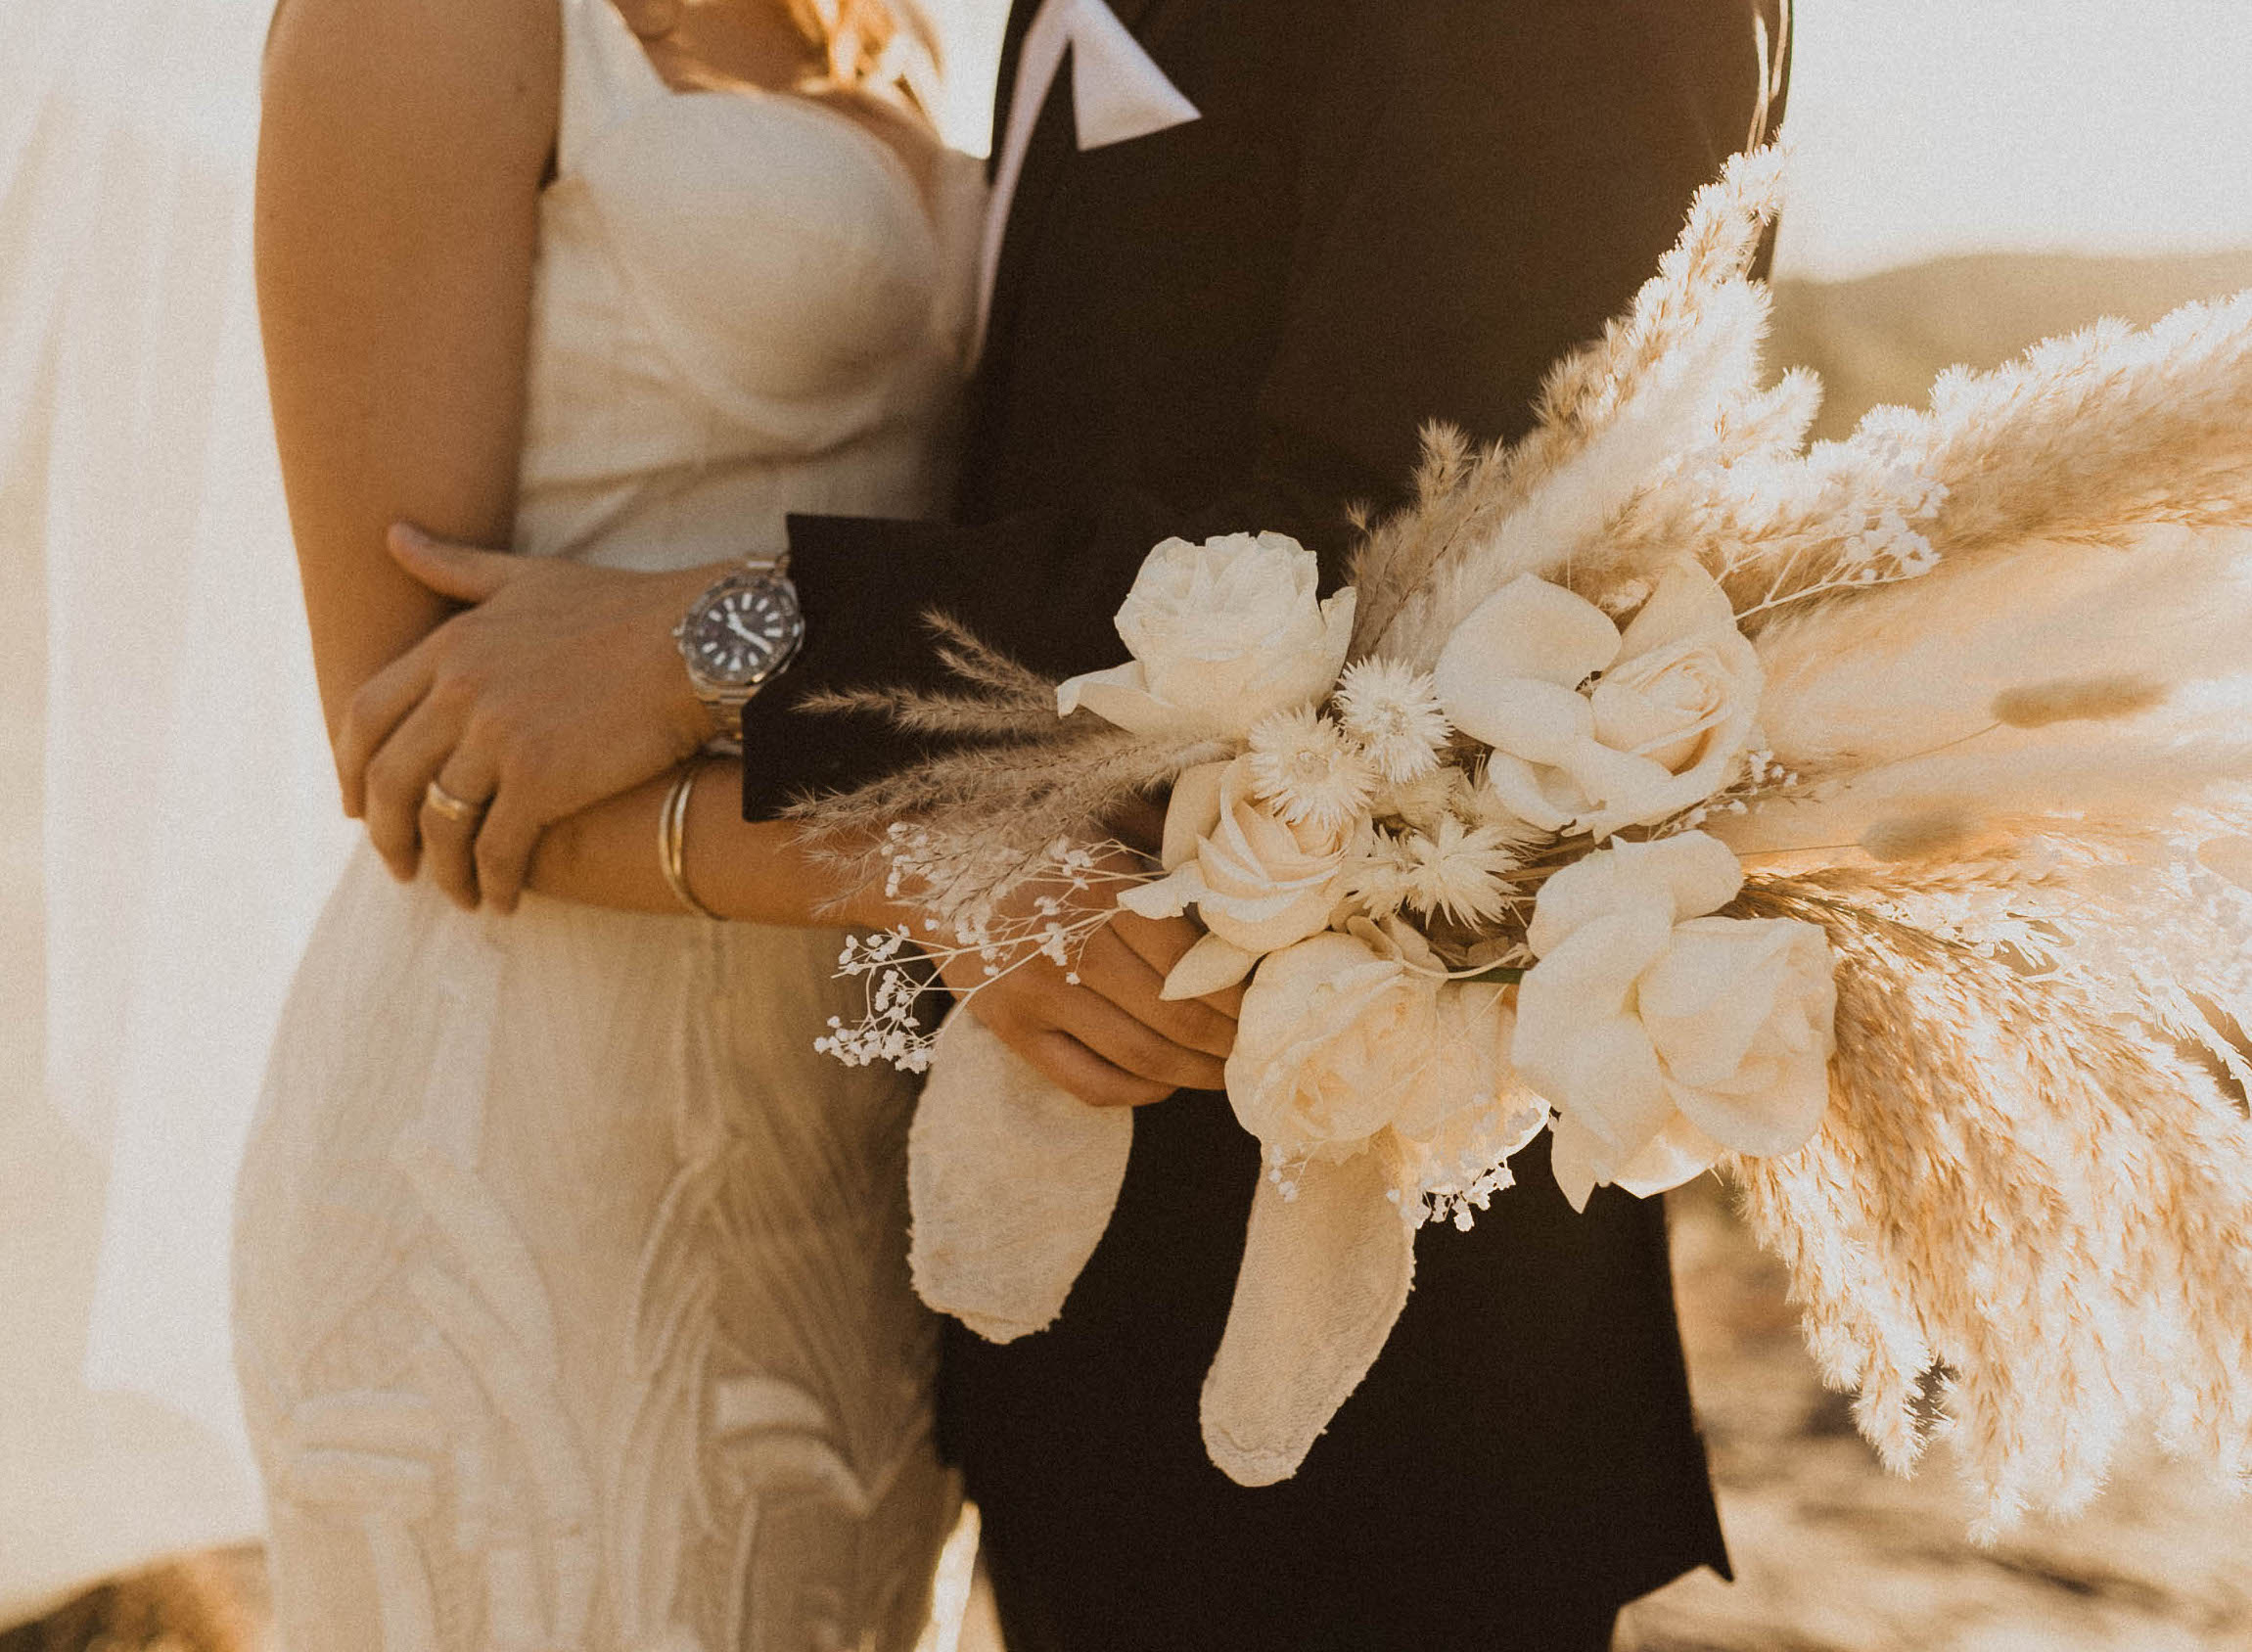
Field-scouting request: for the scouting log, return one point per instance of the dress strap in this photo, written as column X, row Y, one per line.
column 607, row 75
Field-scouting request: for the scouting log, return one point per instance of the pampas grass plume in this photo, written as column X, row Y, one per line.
column 2092, row 699
column 1920, row 836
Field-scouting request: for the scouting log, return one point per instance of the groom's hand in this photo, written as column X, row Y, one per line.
column 560, row 685
column 1099, row 1028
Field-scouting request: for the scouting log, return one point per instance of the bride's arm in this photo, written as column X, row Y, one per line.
column 399, row 165
column 755, row 873
column 1099, row 1029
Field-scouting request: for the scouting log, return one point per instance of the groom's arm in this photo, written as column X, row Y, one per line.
column 1466, row 218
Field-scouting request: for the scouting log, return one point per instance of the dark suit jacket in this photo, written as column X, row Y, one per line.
column 1389, row 211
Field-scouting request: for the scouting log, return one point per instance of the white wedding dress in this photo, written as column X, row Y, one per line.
column 572, row 1308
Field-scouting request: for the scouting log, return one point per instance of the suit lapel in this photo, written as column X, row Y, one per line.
column 1054, row 140
column 1020, row 25
column 1128, row 11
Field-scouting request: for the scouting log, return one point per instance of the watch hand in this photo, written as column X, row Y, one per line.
column 737, row 627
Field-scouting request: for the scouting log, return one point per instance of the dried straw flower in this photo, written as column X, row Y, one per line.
column 1301, row 763
column 1454, row 872
column 1393, row 711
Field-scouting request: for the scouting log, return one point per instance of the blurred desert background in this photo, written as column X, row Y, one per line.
column 1833, row 1554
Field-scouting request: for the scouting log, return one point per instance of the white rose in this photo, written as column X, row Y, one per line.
column 1222, row 634
column 1345, row 1038
column 1661, row 730
column 1469, row 1109
column 1662, row 1035
column 1257, row 881
column 1330, row 1047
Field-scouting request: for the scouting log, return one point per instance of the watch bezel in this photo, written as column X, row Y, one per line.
column 772, row 581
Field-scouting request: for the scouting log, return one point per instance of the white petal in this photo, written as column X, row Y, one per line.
column 1708, row 999
column 1679, row 1153
column 1689, row 873
column 1776, row 1091
column 1210, row 966
column 1298, row 676
column 1687, row 601
column 1524, row 717
column 1011, row 1180
column 1325, row 1276
column 1192, row 813
column 1118, row 695
column 1542, row 797
column 1617, row 1089
column 1167, row 897
column 1625, row 788
column 1578, row 1042
column 1596, row 886
column 1275, row 921
column 1573, row 1152
column 1337, row 615
column 1703, row 873
column 1528, row 628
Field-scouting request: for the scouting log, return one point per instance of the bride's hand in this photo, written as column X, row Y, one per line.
column 558, row 687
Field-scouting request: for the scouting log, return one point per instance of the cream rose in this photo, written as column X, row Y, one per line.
column 1662, row 1035
column 1469, row 1109
column 1661, row 730
column 1345, row 1038
column 1222, row 634
column 1330, row 1047
column 1257, row 881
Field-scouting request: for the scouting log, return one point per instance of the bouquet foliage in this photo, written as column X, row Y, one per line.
column 1867, row 820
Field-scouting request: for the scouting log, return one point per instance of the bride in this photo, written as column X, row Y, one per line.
column 572, row 1303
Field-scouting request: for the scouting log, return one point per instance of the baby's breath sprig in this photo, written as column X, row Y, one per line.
column 902, row 964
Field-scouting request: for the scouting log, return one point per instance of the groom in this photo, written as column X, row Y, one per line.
column 1248, row 247
column 1382, row 212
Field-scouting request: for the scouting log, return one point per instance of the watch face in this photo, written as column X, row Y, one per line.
column 744, row 634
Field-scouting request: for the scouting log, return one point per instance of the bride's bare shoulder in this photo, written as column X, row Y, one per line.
column 486, row 71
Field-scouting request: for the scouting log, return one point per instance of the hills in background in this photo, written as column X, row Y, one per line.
column 1884, row 337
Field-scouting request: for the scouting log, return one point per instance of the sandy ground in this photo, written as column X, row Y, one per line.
column 1833, row 1554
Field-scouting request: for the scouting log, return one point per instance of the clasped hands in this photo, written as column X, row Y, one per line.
column 558, row 687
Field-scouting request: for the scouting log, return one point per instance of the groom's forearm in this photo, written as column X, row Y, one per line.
column 868, row 587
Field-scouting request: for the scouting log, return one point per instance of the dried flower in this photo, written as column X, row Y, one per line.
column 1454, row 872
column 1301, row 763
column 1393, row 711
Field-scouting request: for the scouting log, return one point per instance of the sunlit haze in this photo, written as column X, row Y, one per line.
column 1931, row 126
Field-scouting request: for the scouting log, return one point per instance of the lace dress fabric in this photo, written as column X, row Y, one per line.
column 572, row 1310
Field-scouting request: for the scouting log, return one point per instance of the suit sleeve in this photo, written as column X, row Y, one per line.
column 1474, row 204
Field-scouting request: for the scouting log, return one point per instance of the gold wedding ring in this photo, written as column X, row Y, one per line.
column 439, row 800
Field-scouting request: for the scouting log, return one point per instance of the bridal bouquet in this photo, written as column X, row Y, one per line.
column 1865, row 820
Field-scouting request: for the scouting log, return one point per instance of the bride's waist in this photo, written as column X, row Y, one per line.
column 657, row 517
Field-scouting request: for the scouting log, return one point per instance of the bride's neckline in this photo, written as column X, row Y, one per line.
column 921, row 188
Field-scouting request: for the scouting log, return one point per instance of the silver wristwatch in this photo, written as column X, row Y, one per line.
column 740, row 635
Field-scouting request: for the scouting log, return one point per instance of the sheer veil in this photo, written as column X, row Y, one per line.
column 190, row 828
